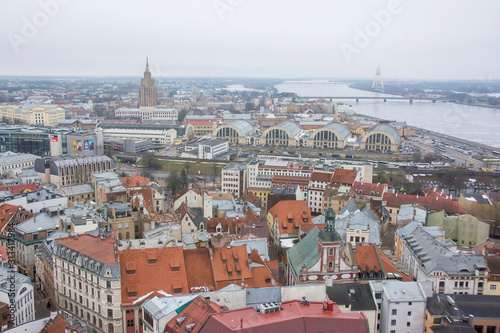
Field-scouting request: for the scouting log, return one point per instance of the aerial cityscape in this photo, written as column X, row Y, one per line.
column 237, row 166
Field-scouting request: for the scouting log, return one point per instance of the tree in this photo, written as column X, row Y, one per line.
column 173, row 182
column 182, row 115
column 184, row 178
column 249, row 106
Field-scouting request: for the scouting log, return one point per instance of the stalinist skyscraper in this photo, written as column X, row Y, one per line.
column 147, row 90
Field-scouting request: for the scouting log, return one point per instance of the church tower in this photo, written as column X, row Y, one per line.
column 147, row 90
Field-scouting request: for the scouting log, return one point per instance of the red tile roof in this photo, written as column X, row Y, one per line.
column 227, row 262
column 3, row 254
column 291, row 215
column 57, row 325
column 135, row 181
column 228, row 224
column 321, row 176
column 293, row 317
column 262, row 277
column 226, row 196
column 195, row 313
column 22, row 188
column 147, row 270
column 102, row 250
column 16, row 214
column 366, row 258
column 294, row 180
column 344, row 176
column 199, row 272
column 147, row 196
column 369, row 188
column 395, row 200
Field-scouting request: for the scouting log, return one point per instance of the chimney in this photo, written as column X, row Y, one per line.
column 330, row 305
column 206, row 301
column 241, row 322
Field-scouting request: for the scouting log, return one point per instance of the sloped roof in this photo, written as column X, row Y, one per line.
column 227, row 261
column 139, row 272
column 387, row 129
column 437, row 203
column 341, row 129
column 358, row 296
column 291, row 126
column 195, row 313
column 369, row 188
column 344, row 176
column 293, row 317
column 199, row 270
column 305, row 253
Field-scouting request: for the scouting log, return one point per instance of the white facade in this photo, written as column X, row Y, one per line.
column 401, row 306
column 159, row 138
column 191, row 198
column 24, row 298
column 233, row 179
column 148, row 113
column 209, row 151
column 260, row 173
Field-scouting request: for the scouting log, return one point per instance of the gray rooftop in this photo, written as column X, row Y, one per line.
column 358, row 296
column 436, row 255
column 341, row 129
column 39, row 222
column 389, row 130
column 291, row 126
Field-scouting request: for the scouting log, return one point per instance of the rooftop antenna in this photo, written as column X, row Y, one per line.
column 378, row 78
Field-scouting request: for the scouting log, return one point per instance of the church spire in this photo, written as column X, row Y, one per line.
column 330, row 218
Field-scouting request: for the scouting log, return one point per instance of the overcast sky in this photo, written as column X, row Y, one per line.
column 252, row 38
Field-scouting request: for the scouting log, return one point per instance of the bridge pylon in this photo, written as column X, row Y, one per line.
column 378, row 79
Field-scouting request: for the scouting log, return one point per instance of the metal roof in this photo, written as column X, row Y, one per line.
column 387, row 129
column 291, row 126
column 244, row 126
column 343, row 131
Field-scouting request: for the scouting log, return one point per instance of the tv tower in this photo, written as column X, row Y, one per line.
column 379, row 77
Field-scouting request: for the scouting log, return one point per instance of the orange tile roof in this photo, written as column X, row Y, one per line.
column 390, row 268
column 146, row 270
column 228, row 224
column 366, row 258
column 227, row 261
column 344, row 176
column 102, row 250
column 367, row 188
column 294, row 210
column 262, row 277
column 226, row 196
column 135, row 181
column 147, row 195
column 195, row 313
column 200, row 275
column 10, row 212
column 320, row 176
column 56, row 325
column 290, row 179
column 3, row 254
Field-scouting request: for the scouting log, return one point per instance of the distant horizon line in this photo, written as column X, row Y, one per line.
column 311, row 78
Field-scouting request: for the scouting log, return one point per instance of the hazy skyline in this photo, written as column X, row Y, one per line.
column 251, row 38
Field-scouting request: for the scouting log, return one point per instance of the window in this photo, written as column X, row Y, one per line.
column 410, row 303
column 378, row 295
column 394, row 312
column 491, row 329
column 493, row 287
column 408, row 324
column 436, row 321
column 409, row 313
column 109, row 299
column 393, row 322
column 108, row 284
column 110, row 313
column 330, row 265
column 130, row 323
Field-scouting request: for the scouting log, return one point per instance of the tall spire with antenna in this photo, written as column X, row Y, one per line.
column 147, row 63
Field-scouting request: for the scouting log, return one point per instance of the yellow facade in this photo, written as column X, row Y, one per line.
column 39, row 115
column 262, row 194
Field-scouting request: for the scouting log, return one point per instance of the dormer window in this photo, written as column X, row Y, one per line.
column 130, row 268
column 152, row 258
column 175, row 265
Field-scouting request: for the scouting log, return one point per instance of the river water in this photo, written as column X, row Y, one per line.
column 478, row 124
